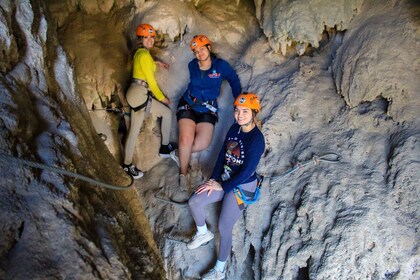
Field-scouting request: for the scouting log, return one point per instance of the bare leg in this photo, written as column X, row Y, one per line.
column 203, row 136
column 185, row 143
column 192, row 138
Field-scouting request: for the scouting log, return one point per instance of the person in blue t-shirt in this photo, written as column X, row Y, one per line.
column 234, row 170
column 197, row 109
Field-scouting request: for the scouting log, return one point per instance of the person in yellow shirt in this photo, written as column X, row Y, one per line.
column 145, row 94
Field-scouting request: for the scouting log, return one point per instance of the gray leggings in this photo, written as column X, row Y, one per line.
column 229, row 215
column 136, row 121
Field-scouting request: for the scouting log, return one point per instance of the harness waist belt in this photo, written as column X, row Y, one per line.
column 247, row 193
column 140, row 82
column 200, row 106
column 183, row 107
column 211, row 108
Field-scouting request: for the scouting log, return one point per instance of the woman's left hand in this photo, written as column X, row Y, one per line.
column 209, row 186
column 166, row 101
column 162, row 64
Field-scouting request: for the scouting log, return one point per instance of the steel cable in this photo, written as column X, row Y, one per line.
column 8, row 158
column 330, row 158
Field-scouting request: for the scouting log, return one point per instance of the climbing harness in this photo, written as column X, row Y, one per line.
column 242, row 195
column 140, row 82
column 206, row 104
column 197, row 105
column 150, row 96
column 135, row 97
column 330, row 158
column 145, row 104
column 5, row 158
column 209, row 106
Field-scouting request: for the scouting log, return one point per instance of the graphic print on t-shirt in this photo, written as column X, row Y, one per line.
column 234, row 152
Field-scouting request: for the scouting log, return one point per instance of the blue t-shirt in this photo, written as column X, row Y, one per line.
column 205, row 85
column 241, row 153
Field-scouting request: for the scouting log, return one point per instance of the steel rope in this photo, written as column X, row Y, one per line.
column 330, row 158
column 8, row 158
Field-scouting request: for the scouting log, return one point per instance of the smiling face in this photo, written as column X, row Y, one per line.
column 148, row 41
column 202, row 53
column 243, row 115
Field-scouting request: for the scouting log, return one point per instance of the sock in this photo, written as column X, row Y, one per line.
column 220, row 266
column 202, row 229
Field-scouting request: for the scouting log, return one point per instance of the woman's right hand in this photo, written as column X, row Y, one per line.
column 209, row 186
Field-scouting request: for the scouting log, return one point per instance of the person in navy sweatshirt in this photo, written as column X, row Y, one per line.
column 197, row 109
column 234, row 181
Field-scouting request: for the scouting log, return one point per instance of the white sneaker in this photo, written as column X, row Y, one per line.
column 184, row 182
column 214, row 274
column 174, row 156
column 200, row 239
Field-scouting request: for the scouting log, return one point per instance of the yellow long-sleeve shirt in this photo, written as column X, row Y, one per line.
column 144, row 68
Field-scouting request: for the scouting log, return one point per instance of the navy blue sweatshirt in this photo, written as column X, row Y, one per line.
column 205, row 85
column 241, row 153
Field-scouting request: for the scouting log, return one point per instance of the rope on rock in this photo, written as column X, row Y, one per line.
column 330, row 158
column 116, row 111
column 5, row 158
column 169, row 200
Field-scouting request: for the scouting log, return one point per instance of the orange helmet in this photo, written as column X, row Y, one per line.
column 198, row 41
column 249, row 100
column 145, row 29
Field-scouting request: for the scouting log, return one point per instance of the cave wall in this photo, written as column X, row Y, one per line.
column 55, row 226
column 356, row 95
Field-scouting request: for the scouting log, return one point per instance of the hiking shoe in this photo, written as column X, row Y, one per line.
column 133, row 171
column 200, row 239
column 165, row 150
column 184, row 182
column 214, row 274
column 174, row 156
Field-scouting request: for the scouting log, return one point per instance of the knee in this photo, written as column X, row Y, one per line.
column 185, row 140
column 193, row 202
